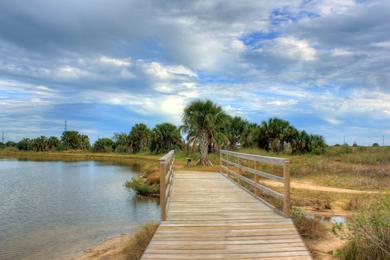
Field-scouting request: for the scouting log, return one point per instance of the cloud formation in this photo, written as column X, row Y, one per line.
column 103, row 65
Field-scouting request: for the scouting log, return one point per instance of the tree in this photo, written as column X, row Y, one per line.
column 40, row 144
column 248, row 137
column 25, row 144
column 10, row 144
column 277, row 132
column 300, row 142
column 203, row 123
column 71, row 139
column 375, row 145
column 53, row 143
column 317, row 144
column 165, row 137
column 122, row 142
column 139, row 138
column 235, row 127
column 103, row 145
column 84, row 142
column 260, row 137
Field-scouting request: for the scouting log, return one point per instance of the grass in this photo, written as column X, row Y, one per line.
column 139, row 242
column 369, row 232
column 308, row 227
column 142, row 188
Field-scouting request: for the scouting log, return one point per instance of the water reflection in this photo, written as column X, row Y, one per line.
column 54, row 209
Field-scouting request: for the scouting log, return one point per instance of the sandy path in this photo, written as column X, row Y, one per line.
column 310, row 186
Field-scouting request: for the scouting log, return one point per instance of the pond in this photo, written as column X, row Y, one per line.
column 52, row 210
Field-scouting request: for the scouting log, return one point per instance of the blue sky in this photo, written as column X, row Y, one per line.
column 105, row 65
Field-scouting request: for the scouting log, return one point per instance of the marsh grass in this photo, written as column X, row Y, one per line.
column 369, row 232
column 139, row 241
column 142, row 188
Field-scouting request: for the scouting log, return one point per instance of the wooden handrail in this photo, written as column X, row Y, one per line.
column 226, row 155
column 166, row 179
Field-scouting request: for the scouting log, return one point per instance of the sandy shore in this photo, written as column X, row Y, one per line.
column 110, row 248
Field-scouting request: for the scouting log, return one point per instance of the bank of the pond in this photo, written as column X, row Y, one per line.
column 122, row 247
column 146, row 164
column 127, row 159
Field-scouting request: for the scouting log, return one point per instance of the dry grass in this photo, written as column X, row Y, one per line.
column 309, row 228
column 139, row 241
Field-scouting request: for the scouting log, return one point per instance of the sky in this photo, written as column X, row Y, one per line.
column 105, row 65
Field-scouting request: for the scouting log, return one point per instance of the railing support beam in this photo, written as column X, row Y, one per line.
column 166, row 178
column 162, row 190
column 286, row 197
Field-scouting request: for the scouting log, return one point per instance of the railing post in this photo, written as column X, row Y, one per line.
column 163, row 201
column 220, row 162
column 257, row 178
column 286, row 197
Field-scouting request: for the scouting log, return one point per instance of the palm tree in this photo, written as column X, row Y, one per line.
column 139, row 137
column 277, row 133
column 235, row 128
column 203, row 123
column 248, row 137
column 165, row 137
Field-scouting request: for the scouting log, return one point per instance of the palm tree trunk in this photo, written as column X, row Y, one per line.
column 204, row 146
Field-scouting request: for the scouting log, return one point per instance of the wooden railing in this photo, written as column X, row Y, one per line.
column 166, row 179
column 232, row 165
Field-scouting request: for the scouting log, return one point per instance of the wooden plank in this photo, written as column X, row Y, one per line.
column 210, row 217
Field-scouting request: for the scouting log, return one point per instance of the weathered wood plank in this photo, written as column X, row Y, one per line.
column 210, row 217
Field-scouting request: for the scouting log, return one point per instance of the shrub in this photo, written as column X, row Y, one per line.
column 369, row 232
column 25, row 144
column 142, row 188
column 53, row 143
column 103, row 145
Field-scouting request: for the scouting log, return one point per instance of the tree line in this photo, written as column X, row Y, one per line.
column 207, row 128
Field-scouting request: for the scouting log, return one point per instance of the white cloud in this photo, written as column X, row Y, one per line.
column 293, row 48
column 384, row 44
column 331, row 7
column 238, row 45
column 167, row 72
column 70, row 72
column 341, row 52
column 332, row 120
column 115, row 62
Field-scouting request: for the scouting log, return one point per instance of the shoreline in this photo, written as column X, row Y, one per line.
column 110, row 247
column 77, row 156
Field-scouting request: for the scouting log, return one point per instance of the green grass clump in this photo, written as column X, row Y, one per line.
column 141, row 187
column 139, row 242
column 369, row 232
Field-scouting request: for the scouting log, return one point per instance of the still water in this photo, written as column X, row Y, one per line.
column 52, row 210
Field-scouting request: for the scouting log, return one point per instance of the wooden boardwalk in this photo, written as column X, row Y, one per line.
column 210, row 217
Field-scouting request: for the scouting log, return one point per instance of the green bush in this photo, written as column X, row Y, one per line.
column 142, row 188
column 103, row 145
column 369, row 232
